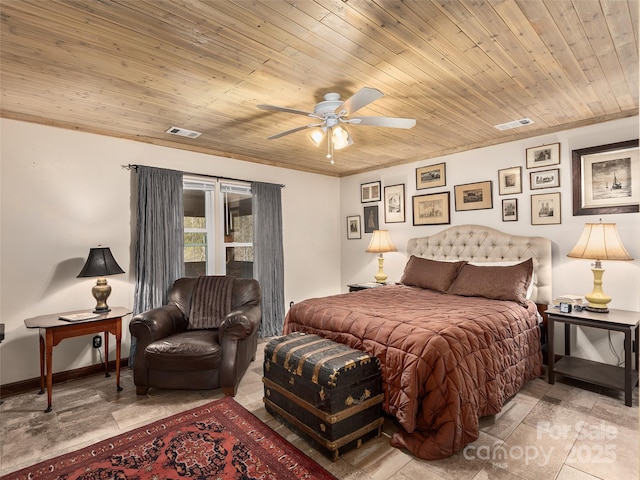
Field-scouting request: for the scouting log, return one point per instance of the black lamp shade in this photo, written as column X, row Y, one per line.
column 100, row 263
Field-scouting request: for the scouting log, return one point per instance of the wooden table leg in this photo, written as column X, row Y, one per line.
column 41, row 363
column 106, row 353
column 118, row 352
column 49, row 355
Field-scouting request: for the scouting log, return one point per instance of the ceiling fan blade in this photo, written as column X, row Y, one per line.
column 274, row 108
column 362, row 97
column 293, row 130
column 383, row 122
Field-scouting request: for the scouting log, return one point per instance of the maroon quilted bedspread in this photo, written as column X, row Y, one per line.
column 446, row 360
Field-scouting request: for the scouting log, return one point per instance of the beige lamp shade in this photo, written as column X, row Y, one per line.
column 381, row 242
column 600, row 241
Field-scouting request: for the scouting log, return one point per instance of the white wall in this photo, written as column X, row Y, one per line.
column 621, row 279
column 63, row 192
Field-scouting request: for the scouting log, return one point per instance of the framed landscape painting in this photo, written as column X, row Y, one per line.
column 431, row 209
column 543, row 156
column 544, row 179
column 431, row 176
column 474, row 196
column 606, row 179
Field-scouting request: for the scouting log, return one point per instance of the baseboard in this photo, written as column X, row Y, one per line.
column 33, row 384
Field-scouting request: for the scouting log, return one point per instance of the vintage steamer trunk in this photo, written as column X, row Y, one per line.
column 325, row 390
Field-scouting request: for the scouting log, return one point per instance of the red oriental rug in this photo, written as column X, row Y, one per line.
column 220, row 440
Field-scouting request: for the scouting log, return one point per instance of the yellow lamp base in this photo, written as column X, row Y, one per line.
column 597, row 299
column 380, row 277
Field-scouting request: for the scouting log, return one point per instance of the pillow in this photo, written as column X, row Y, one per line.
column 497, row 283
column 508, row 263
column 430, row 274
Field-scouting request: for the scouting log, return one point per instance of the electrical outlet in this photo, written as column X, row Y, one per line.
column 97, row 341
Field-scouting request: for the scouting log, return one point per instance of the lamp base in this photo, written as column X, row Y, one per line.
column 589, row 308
column 597, row 299
column 101, row 291
column 380, row 277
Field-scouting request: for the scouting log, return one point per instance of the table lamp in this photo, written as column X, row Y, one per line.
column 381, row 243
column 100, row 263
column 599, row 241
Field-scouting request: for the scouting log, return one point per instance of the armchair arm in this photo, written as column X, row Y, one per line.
column 157, row 323
column 237, row 336
column 240, row 323
column 147, row 327
column 154, row 324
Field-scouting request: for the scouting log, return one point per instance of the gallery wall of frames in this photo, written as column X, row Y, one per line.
column 604, row 179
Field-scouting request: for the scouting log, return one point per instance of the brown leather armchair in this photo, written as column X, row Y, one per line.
column 171, row 356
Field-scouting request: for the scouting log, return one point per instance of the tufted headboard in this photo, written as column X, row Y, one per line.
column 476, row 243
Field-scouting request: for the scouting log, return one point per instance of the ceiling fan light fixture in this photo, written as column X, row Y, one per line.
column 333, row 113
column 316, row 135
column 341, row 138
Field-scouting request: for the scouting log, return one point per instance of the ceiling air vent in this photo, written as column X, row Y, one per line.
column 515, row 124
column 183, row 132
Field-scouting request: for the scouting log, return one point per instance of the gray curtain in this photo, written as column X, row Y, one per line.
column 159, row 255
column 268, row 256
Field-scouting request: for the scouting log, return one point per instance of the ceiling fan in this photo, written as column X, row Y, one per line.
column 333, row 113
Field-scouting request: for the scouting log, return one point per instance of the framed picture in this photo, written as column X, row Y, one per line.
column 353, row 227
column 510, row 181
column 371, row 219
column 474, row 196
column 544, row 179
column 606, row 179
column 394, row 204
column 370, row 192
column 431, row 176
column 543, row 156
column 431, row 209
column 545, row 209
column 510, row 210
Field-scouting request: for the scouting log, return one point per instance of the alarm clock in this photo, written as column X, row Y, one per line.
column 565, row 307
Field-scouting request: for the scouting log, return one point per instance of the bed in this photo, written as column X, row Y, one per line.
column 457, row 337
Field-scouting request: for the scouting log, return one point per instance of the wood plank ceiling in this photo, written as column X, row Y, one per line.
column 134, row 68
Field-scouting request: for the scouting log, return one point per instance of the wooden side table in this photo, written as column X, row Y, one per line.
column 619, row 378
column 52, row 331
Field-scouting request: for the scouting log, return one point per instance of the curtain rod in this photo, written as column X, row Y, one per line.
column 217, row 177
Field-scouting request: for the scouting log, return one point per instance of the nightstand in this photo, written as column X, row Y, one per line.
column 354, row 287
column 619, row 378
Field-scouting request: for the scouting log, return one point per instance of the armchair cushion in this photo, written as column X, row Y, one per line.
column 190, row 350
column 210, row 301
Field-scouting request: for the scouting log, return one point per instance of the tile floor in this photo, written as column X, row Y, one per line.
column 567, row 431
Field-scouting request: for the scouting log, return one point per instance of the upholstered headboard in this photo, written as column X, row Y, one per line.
column 476, row 243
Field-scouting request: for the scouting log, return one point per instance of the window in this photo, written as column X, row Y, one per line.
column 218, row 228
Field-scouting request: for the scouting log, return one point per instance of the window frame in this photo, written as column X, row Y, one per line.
column 215, row 202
